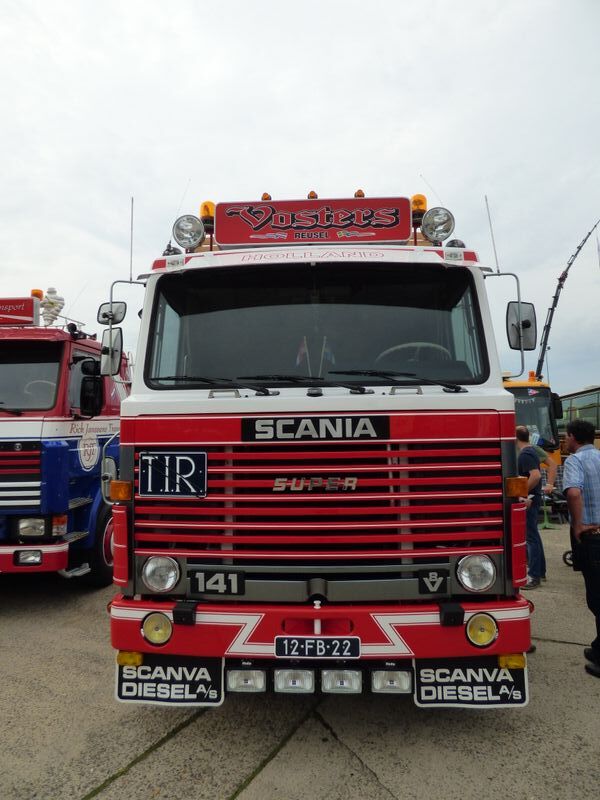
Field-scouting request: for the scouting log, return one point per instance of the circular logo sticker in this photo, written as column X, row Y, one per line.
column 89, row 450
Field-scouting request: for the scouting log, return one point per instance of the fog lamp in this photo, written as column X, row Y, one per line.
column 246, row 680
column 482, row 630
column 391, row 681
column 477, row 573
column 32, row 526
column 188, row 231
column 341, row 681
column 30, row 557
column 157, row 628
column 437, row 224
column 294, row 681
column 160, row 573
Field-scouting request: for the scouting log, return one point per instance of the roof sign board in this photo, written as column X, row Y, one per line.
column 19, row 311
column 346, row 221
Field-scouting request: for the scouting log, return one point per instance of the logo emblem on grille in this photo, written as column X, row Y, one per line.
column 309, row 484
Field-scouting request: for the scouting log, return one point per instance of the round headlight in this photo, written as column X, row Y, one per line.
column 482, row 630
column 476, row 573
column 437, row 224
column 157, row 628
column 160, row 574
column 188, row 231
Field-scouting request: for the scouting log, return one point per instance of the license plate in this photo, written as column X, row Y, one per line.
column 317, row 647
column 212, row 582
column 468, row 683
column 174, row 681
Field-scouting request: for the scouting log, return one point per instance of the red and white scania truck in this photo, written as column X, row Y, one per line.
column 318, row 487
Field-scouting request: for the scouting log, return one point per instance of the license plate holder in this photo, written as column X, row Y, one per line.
column 172, row 681
column 317, row 647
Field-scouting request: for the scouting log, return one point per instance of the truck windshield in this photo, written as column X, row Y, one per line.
column 29, row 374
column 533, row 408
column 297, row 319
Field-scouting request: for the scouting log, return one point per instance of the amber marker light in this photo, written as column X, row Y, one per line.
column 129, row 658
column 39, row 293
column 120, row 490
column 312, row 195
column 359, row 193
column 265, row 197
column 516, row 487
column 512, row 661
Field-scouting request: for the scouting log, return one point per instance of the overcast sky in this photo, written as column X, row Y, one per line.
column 175, row 103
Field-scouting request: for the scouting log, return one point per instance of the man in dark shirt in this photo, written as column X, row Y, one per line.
column 529, row 466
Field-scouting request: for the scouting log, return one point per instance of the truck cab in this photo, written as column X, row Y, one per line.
column 52, row 515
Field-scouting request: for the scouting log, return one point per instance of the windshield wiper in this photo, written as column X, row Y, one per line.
column 307, row 380
column 15, row 411
column 212, row 382
column 393, row 376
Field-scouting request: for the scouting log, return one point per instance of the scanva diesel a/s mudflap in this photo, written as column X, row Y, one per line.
column 447, row 669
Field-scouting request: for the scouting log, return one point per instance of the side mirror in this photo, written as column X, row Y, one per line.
column 114, row 314
column 91, row 396
column 112, row 351
column 109, row 473
column 557, row 406
column 528, row 326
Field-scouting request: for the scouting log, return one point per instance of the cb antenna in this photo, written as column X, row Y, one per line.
column 487, row 205
column 131, row 245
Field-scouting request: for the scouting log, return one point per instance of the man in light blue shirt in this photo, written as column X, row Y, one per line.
column 581, row 486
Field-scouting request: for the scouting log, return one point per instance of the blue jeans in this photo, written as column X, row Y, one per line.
column 536, row 560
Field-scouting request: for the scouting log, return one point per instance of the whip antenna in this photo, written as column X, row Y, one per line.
column 492, row 232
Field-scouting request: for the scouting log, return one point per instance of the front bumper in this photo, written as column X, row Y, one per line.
column 53, row 557
column 385, row 632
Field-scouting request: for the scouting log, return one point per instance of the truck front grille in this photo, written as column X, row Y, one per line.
column 356, row 506
column 20, row 474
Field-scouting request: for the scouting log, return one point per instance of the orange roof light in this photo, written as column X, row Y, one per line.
column 207, row 209
column 312, row 195
column 418, row 203
column 39, row 293
column 359, row 193
column 265, row 197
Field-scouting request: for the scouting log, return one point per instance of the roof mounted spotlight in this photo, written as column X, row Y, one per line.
column 188, row 231
column 312, row 195
column 437, row 224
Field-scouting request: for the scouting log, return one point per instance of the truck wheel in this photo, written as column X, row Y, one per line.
column 100, row 557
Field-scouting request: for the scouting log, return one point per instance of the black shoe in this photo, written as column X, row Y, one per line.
column 532, row 649
column 592, row 655
column 532, row 583
column 593, row 669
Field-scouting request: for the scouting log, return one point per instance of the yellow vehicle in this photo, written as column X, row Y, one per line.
column 537, row 407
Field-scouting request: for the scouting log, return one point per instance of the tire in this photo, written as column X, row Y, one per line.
column 100, row 556
column 568, row 558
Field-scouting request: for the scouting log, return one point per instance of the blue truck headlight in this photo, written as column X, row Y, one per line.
column 32, row 526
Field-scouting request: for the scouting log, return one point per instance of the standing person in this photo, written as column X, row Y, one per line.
column 581, row 485
column 529, row 466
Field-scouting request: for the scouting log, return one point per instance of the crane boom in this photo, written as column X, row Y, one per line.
column 561, row 282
